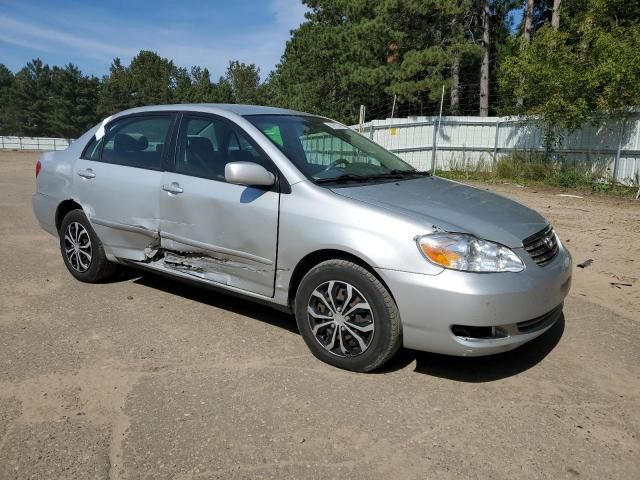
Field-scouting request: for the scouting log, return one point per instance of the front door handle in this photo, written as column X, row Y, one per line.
column 88, row 173
column 173, row 187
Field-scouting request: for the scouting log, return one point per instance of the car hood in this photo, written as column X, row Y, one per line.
column 453, row 207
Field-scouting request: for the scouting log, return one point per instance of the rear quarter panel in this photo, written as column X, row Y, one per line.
column 57, row 176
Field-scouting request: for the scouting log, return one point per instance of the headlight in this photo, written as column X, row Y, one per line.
column 460, row 251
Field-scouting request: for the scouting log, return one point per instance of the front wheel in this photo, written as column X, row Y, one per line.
column 82, row 250
column 347, row 317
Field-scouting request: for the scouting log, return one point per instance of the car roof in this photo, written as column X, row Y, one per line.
column 238, row 109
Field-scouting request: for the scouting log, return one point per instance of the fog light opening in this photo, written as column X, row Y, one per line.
column 478, row 333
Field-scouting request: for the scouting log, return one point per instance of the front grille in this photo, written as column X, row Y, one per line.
column 542, row 246
column 540, row 322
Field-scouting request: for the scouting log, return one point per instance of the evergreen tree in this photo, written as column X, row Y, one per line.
column 152, row 79
column 7, row 112
column 73, row 102
column 116, row 92
column 30, row 98
column 244, row 80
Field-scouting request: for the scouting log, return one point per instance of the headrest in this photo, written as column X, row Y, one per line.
column 200, row 143
column 123, row 142
column 241, row 156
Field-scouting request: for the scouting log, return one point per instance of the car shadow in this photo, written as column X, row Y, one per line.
column 480, row 369
column 218, row 299
column 462, row 369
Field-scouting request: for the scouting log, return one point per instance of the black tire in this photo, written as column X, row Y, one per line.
column 98, row 268
column 387, row 334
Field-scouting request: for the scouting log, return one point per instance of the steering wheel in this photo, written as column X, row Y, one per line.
column 335, row 163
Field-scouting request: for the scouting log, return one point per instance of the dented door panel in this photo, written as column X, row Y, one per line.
column 220, row 232
column 122, row 204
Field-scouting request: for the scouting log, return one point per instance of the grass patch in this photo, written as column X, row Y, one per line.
column 534, row 168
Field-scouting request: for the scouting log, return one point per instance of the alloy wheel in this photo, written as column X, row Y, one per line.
column 341, row 318
column 77, row 247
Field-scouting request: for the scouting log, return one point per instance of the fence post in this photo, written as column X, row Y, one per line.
column 616, row 162
column 435, row 136
column 20, row 140
column 495, row 142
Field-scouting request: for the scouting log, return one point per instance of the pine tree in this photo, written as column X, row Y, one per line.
column 31, row 93
column 73, row 102
column 7, row 112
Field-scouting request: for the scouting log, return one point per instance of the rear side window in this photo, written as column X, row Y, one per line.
column 137, row 142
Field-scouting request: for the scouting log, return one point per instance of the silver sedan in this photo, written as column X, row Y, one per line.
column 304, row 214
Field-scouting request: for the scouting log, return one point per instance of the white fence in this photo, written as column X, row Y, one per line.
column 460, row 142
column 33, row 143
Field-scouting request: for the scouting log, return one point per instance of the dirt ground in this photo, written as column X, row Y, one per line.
column 147, row 378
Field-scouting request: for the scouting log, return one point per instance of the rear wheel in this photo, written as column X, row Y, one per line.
column 82, row 250
column 347, row 317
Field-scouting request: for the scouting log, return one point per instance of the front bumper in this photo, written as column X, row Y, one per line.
column 430, row 305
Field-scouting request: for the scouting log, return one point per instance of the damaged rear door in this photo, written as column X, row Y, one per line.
column 211, row 229
column 117, row 183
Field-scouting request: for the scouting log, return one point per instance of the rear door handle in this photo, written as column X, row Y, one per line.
column 173, row 187
column 88, row 173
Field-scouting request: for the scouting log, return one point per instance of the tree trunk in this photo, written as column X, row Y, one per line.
column 528, row 20
column 455, row 86
column 555, row 18
column 484, row 66
column 526, row 37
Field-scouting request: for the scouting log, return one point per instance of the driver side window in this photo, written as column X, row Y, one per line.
column 207, row 144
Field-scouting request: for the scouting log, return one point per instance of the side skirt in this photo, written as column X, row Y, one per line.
column 159, row 269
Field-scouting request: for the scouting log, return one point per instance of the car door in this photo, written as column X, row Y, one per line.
column 118, row 183
column 211, row 229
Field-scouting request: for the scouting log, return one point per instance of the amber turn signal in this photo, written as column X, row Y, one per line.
column 439, row 256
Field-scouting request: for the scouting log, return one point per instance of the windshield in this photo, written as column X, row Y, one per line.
column 326, row 151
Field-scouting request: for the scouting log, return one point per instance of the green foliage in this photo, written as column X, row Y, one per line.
column 367, row 52
column 73, row 102
column 7, row 113
column 375, row 53
column 535, row 168
column 62, row 102
column 587, row 70
column 245, row 82
column 30, row 92
column 327, row 64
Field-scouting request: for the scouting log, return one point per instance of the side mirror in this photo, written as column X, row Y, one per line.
column 248, row 173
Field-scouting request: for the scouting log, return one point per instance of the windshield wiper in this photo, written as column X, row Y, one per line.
column 391, row 174
column 345, row 177
column 403, row 173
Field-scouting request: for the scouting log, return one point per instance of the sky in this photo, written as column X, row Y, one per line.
column 208, row 33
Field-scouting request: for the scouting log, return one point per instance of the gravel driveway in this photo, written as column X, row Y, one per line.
column 147, row 378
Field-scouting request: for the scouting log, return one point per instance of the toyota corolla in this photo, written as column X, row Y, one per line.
column 305, row 214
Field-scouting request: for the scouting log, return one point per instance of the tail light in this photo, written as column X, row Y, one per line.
column 38, row 168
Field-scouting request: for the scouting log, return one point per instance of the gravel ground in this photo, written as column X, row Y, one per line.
column 146, row 378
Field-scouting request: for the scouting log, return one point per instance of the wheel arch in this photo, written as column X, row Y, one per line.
column 63, row 208
column 315, row 258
